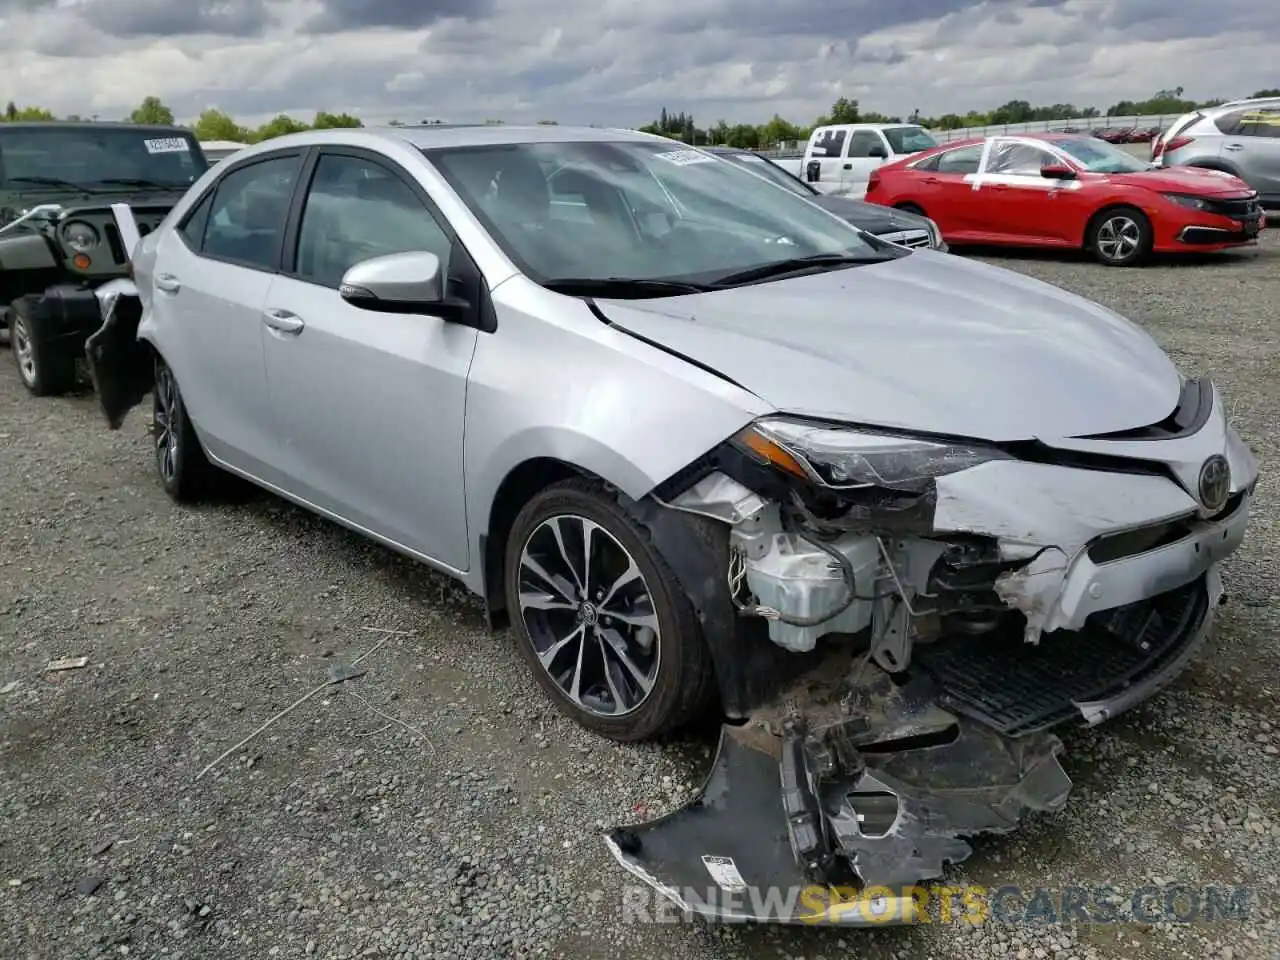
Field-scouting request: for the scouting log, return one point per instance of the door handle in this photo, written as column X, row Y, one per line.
column 848, row 166
column 282, row 321
column 1234, row 146
column 929, row 180
column 167, row 282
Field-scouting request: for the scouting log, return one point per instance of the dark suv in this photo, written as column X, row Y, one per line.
column 58, row 236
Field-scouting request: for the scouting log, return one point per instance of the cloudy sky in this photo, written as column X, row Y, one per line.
column 619, row 61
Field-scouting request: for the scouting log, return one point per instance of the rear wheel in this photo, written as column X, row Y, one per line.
column 184, row 470
column 600, row 618
column 44, row 372
column 1120, row 236
column 910, row 208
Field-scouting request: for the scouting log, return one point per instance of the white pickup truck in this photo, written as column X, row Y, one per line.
column 838, row 159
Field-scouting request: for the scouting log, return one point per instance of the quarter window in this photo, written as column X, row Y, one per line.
column 246, row 218
column 358, row 209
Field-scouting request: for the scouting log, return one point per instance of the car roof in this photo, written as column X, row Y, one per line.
column 90, row 125
column 435, row 135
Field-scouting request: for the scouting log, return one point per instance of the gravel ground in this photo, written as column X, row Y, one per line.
column 438, row 806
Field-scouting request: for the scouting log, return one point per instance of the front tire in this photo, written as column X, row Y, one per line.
column 44, row 372
column 1121, row 237
column 600, row 618
column 185, row 472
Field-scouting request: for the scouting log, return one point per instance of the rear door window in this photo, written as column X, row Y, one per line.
column 246, row 219
column 961, row 160
column 828, row 143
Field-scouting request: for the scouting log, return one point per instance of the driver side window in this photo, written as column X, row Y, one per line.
column 357, row 209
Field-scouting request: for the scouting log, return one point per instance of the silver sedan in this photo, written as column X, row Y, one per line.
column 705, row 445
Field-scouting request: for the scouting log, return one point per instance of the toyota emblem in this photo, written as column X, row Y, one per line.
column 1215, row 482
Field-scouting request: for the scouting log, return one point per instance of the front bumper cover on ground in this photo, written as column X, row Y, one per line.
column 831, row 804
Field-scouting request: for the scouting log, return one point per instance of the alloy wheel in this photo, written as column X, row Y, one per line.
column 1119, row 237
column 165, row 415
column 20, row 343
column 590, row 615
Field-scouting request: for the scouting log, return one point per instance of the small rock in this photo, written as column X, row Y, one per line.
column 88, row 886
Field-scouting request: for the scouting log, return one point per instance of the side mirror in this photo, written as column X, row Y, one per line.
column 1057, row 171
column 395, row 283
column 879, row 152
column 813, row 171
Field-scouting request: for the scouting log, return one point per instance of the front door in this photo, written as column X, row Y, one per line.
column 210, row 282
column 1017, row 201
column 867, row 150
column 370, row 405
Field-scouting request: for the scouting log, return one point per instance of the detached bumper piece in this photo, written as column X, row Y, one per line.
column 830, row 814
column 830, row 805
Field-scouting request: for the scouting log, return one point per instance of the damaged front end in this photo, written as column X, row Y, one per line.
column 897, row 624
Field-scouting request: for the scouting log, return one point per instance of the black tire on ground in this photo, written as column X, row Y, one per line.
column 684, row 684
column 185, row 472
column 1120, row 236
column 910, row 208
column 44, row 372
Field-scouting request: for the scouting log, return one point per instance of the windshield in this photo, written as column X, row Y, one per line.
column 96, row 158
column 771, row 171
column 1098, row 156
column 909, row 139
column 640, row 211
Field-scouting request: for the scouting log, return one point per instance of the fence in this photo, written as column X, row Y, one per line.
column 1078, row 124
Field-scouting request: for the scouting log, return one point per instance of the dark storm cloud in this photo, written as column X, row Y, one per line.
column 341, row 15
column 176, row 18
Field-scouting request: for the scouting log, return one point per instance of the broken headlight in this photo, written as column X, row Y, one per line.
column 846, row 458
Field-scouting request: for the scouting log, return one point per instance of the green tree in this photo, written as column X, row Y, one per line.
column 1274, row 92
column 216, row 125
column 333, row 121
column 843, row 110
column 152, row 111
column 11, row 111
column 277, row 126
column 778, row 131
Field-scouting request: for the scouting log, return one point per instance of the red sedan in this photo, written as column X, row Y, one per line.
column 1057, row 190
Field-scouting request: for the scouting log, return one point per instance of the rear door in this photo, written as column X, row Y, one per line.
column 824, row 158
column 1252, row 146
column 370, row 405
column 942, row 186
column 210, row 281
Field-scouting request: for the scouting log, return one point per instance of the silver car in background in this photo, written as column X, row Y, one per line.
column 704, row 444
column 1241, row 138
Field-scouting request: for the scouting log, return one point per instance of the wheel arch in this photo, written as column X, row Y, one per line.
column 522, row 483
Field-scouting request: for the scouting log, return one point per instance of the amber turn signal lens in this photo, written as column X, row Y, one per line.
column 767, row 450
column 81, row 261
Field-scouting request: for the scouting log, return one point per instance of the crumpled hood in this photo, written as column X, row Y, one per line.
column 928, row 342
column 1185, row 180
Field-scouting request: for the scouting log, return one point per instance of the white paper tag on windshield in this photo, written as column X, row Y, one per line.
column 682, row 158
column 725, row 873
column 168, row 145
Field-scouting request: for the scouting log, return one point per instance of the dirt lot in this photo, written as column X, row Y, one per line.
column 437, row 806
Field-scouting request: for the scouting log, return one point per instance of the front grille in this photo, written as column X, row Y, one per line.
column 907, row 238
column 1019, row 688
column 1249, row 207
